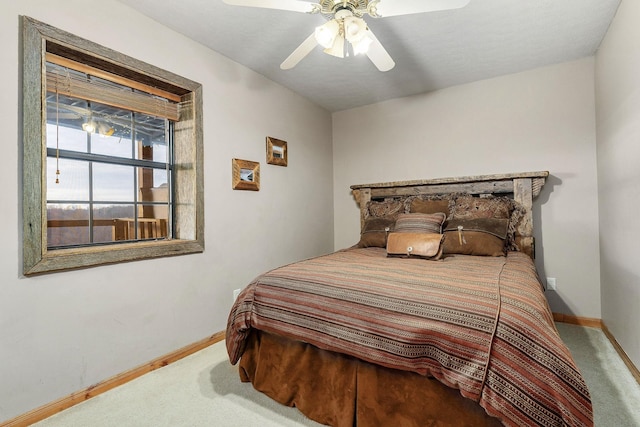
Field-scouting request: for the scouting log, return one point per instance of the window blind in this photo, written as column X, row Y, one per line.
column 113, row 91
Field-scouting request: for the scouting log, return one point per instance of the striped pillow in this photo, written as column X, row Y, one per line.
column 420, row 223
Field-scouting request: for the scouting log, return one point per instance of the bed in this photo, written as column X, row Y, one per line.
column 460, row 338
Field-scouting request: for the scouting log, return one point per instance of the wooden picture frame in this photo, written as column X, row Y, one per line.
column 277, row 152
column 245, row 175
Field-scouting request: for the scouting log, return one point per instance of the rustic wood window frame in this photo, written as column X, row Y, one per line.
column 38, row 39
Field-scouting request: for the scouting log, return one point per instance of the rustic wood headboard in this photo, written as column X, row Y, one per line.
column 522, row 187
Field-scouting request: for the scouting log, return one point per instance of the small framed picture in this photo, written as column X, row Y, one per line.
column 276, row 151
column 245, row 175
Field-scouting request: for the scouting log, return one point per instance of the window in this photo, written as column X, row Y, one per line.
column 109, row 169
column 112, row 164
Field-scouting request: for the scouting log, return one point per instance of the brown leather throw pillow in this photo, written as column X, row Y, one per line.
column 374, row 232
column 422, row 245
column 480, row 236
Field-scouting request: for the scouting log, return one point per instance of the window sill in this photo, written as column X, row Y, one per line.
column 75, row 258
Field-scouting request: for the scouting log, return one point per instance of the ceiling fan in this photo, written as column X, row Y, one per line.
column 345, row 22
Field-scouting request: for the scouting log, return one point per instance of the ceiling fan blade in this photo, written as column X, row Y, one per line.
column 378, row 54
column 406, row 7
column 293, row 5
column 300, row 52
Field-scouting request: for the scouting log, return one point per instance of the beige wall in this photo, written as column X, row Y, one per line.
column 62, row 332
column 59, row 333
column 538, row 120
column 618, row 123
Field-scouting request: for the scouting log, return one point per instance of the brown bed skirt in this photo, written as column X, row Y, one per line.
column 343, row 391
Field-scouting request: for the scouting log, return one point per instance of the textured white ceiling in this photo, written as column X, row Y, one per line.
column 487, row 38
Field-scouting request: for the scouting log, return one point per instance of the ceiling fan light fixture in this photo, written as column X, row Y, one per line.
column 89, row 127
column 347, row 24
column 337, row 49
column 355, row 29
column 327, row 33
column 362, row 46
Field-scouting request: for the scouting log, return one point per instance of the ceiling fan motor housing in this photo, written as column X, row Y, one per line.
column 356, row 7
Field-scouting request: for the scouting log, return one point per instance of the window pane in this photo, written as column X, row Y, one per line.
column 73, row 181
column 159, row 141
column 153, row 179
column 152, row 228
column 110, row 222
column 67, row 134
column 155, row 211
column 67, row 224
column 150, row 191
column 112, row 135
column 113, row 183
column 160, row 152
column 66, row 113
column 150, row 133
column 114, row 145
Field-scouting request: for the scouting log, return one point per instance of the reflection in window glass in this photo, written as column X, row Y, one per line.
column 112, row 131
column 150, row 134
column 65, row 117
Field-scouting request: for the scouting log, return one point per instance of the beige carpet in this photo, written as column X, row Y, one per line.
column 204, row 390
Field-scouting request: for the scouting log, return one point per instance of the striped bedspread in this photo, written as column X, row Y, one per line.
column 479, row 324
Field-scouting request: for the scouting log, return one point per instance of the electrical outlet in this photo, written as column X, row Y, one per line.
column 551, row 283
column 236, row 292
